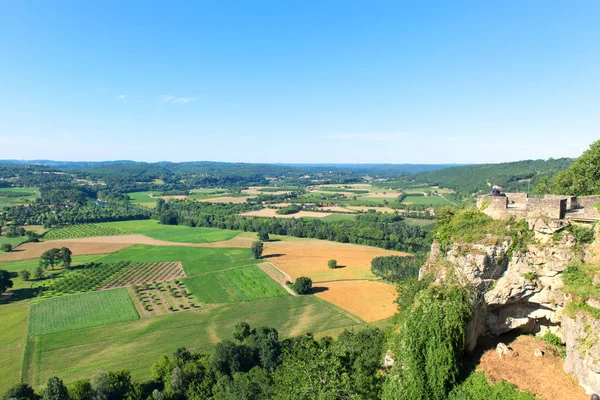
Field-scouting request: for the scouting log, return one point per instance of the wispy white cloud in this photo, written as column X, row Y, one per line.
column 122, row 97
column 371, row 137
column 178, row 100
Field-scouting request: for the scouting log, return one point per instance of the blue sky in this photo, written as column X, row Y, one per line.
column 299, row 81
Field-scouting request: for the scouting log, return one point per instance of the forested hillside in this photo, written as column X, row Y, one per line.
column 519, row 176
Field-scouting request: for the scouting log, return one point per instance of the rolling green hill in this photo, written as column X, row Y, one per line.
column 512, row 177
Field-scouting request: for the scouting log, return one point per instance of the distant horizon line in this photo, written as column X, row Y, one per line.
column 40, row 161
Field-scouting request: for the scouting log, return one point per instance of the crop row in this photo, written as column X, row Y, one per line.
column 81, row 231
column 147, row 272
column 90, row 277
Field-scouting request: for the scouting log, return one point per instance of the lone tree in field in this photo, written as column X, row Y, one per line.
column 25, row 275
column 257, row 249
column 302, row 285
column 6, row 247
column 5, row 281
column 263, row 236
column 52, row 257
column 332, row 264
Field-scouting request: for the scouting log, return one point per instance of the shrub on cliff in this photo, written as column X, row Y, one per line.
column 428, row 341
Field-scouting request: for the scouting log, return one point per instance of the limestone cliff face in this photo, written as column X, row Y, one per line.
column 523, row 292
column 517, row 292
column 582, row 337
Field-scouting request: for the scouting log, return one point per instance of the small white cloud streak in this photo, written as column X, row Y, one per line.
column 178, row 100
column 122, row 97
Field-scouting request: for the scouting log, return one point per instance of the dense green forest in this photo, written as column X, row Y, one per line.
column 520, row 176
column 388, row 231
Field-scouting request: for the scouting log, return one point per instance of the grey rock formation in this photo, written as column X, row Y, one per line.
column 582, row 337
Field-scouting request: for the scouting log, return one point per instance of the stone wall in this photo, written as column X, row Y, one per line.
column 546, row 208
column 589, row 209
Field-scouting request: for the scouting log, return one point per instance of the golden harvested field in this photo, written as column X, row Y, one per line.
column 225, row 199
column 256, row 190
column 270, row 212
column 365, row 209
column 308, row 257
column 337, row 209
column 369, row 300
column 382, row 195
column 78, row 247
column 109, row 244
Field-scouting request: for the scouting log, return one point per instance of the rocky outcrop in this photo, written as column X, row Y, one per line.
column 582, row 337
column 522, row 290
column 514, row 291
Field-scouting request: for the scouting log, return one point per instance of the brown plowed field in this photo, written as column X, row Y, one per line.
column 108, row 244
column 369, row 300
column 542, row 376
column 308, row 257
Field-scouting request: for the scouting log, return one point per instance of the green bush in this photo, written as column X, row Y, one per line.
column 429, row 339
column 583, row 234
column 24, row 274
column 332, row 264
column 6, row 247
column 395, row 268
column 303, row 285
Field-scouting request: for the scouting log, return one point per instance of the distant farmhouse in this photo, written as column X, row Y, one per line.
column 552, row 207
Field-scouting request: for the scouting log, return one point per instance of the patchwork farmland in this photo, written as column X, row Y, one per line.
column 148, row 293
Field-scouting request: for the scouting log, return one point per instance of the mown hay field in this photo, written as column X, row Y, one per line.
column 308, row 257
column 241, row 284
column 81, row 311
column 13, row 334
column 136, row 345
column 369, row 300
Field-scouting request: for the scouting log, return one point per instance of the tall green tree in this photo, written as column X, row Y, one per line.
column 257, row 249
column 583, row 176
column 5, row 281
column 55, row 390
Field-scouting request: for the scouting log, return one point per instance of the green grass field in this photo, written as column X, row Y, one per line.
column 14, row 242
column 81, row 311
column 141, row 197
column 195, row 260
column 13, row 334
column 427, row 200
column 82, row 231
column 172, row 233
column 339, row 217
column 419, row 222
column 136, row 345
column 241, row 284
column 15, row 266
column 15, row 196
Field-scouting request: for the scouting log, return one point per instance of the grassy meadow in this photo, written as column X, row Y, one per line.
column 172, row 233
column 195, row 260
column 13, row 335
column 16, row 196
column 81, row 353
column 234, row 285
column 81, row 311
